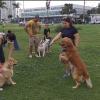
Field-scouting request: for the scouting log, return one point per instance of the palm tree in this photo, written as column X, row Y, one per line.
column 84, row 12
column 16, row 6
column 2, row 5
column 98, row 9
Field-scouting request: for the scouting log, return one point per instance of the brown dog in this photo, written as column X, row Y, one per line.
column 79, row 70
column 6, row 73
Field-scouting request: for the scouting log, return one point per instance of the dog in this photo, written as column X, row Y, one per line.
column 43, row 47
column 78, row 66
column 6, row 73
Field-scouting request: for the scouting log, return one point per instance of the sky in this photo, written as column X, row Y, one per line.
column 34, row 4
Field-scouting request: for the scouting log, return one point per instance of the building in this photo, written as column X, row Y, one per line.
column 95, row 18
column 5, row 12
column 54, row 13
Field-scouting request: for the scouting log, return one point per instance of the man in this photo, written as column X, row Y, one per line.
column 32, row 27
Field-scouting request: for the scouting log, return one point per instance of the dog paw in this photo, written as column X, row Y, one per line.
column 14, row 83
column 75, row 87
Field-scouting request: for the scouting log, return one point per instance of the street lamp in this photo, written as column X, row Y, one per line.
column 23, row 11
column 48, row 7
column 84, row 12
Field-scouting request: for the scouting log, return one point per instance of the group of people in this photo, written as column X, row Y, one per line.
column 33, row 27
column 10, row 39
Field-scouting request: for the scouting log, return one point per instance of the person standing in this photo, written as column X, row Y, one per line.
column 10, row 43
column 2, row 57
column 71, row 32
column 32, row 28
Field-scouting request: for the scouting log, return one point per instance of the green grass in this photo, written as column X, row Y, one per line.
column 41, row 78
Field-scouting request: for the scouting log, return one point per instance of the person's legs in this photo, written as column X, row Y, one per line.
column 49, row 47
column 64, row 60
column 36, row 43
column 10, row 49
column 30, row 46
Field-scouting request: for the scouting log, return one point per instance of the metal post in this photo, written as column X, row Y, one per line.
column 23, row 11
column 84, row 12
column 48, row 7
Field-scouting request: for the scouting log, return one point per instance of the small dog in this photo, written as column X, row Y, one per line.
column 43, row 47
column 6, row 73
column 79, row 70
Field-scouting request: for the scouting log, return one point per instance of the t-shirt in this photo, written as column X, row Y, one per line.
column 11, row 37
column 33, row 27
column 69, row 32
column 46, row 32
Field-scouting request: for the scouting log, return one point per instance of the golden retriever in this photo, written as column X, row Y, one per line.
column 6, row 73
column 79, row 70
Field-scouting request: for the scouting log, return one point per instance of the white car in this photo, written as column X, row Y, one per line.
column 1, row 33
column 21, row 23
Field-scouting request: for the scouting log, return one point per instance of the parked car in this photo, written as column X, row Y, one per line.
column 21, row 23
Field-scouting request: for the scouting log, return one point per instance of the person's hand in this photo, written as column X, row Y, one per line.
column 51, row 43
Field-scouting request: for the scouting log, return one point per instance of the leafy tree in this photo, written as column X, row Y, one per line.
column 98, row 9
column 2, row 5
column 67, row 9
column 16, row 6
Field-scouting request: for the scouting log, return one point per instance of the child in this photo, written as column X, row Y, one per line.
column 10, row 41
column 47, row 32
column 2, row 57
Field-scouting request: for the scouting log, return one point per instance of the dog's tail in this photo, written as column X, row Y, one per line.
column 89, row 83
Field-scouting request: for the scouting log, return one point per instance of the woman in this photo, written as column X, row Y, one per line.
column 71, row 32
column 10, row 41
column 2, row 57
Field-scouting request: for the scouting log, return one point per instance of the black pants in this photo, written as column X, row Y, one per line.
column 2, row 57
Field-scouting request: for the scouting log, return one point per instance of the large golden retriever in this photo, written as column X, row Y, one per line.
column 79, row 70
column 6, row 73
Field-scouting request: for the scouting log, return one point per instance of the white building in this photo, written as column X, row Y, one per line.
column 54, row 11
column 4, row 13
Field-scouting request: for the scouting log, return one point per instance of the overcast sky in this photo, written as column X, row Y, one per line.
column 34, row 4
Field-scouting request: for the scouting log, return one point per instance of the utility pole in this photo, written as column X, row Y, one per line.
column 47, row 8
column 84, row 12
column 23, row 11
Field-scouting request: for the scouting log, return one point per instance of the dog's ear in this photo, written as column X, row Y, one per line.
column 12, row 61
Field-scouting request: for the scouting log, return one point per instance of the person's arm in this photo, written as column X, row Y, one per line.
column 77, row 39
column 28, row 30
column 1, row 40
column 58, row 36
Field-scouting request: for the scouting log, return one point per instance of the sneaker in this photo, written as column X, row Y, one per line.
column 1, row 89
column 66, row 75
column 30, row 56
column 36, row 55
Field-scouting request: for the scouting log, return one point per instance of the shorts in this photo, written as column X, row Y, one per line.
column 33, row 41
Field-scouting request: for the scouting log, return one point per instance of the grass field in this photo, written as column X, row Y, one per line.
column 41, row 78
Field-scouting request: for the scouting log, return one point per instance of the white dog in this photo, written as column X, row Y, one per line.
column 43, row 47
